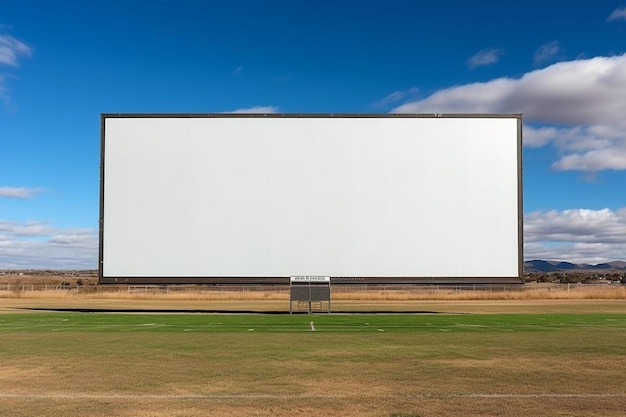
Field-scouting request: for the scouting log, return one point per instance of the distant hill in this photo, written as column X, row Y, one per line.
column 553, row 266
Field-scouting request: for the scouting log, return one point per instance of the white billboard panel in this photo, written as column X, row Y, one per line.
column 248, row 196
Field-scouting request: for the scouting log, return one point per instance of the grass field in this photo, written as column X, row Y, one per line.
column 466, row 358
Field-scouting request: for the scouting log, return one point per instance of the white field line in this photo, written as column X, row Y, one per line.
column 79, row 396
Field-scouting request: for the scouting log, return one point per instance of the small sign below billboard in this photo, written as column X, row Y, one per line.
column 309, row 278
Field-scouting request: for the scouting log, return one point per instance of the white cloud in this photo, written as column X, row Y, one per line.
column 577, row 235
column 538, row 137
column 594, row 160
column 618, row 14
column 484, row 57
column 547, row 52
column 579, row 106
column 576, row 225
column 18, row 192
column 577, row 253
column 257, row 109
column 12, row 49
column 585, row 148
column 36, row 245
column 31, row 229
column 78, row 238
column 589, row 91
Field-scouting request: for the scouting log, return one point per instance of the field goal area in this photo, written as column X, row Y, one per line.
column 309, row 294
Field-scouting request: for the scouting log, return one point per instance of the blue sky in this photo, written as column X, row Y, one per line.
column 63, row 63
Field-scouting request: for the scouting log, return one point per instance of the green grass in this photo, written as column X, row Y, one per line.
column 426, row 365
column 344, row 323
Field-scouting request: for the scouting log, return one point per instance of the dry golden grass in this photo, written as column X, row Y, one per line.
column 527, row 292
column 529, row 299
column 564, row 292
column 217, row 295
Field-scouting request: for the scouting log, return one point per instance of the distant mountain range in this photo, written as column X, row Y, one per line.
column 556, row 266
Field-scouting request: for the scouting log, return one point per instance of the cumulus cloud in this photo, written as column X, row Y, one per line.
column 578, row 92
column 577, row 105
column 38, row 245
column 577, row 235
column 576, row 225
column 18, row 192
column 618, row 14
column 594, row 160
column 257, row 109
column 484, row 57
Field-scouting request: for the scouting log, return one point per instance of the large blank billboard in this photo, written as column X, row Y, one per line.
column 259, row 198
